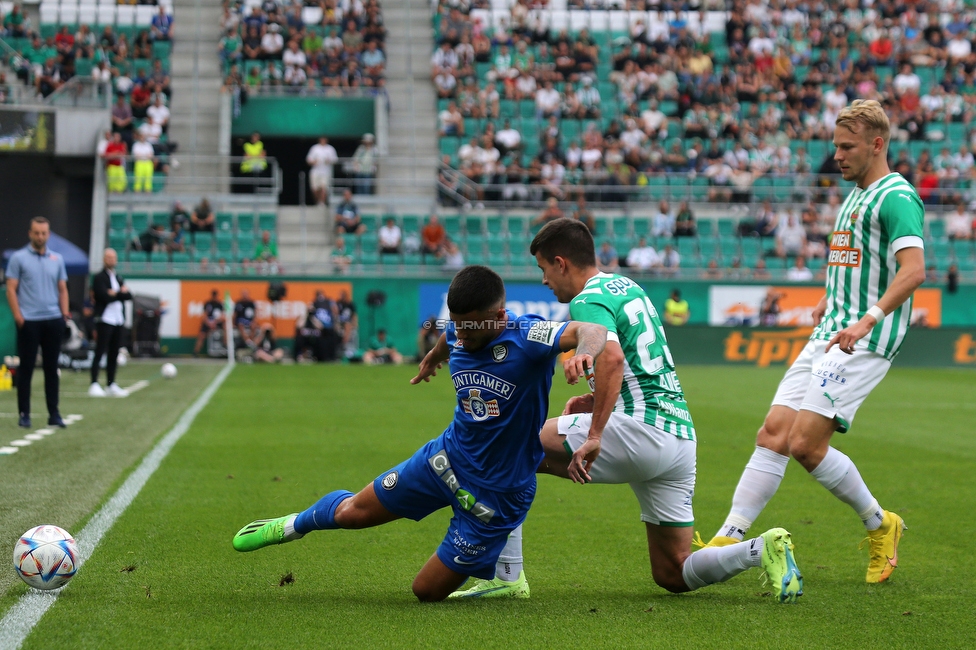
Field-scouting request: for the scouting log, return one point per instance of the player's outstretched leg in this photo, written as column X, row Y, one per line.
column 509, row 580
column 339, row 509
column 773, row 551
column 760, row 479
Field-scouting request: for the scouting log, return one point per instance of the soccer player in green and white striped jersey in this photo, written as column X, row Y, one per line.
column 875, row 264
column 634, row 428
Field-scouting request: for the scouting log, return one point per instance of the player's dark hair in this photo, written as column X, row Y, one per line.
column 475, row 288
column 41, row 220
column 568, row 239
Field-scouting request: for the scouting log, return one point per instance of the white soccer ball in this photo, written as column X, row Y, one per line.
column 168, row 370
column 46, row 557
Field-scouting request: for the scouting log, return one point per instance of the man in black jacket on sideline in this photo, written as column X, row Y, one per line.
column 110, row 296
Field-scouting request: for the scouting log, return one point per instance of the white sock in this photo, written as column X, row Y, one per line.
column 711, row 565
column 509, row 564
column 837, row 473
column 290, row 534
column 759, row 482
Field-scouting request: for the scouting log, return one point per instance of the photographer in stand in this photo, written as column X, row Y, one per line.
column 110, row 294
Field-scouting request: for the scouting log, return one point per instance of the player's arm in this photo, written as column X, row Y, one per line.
column 13, row 302
column 608, row 376
column 589, row 340
column 820, row 310
column 910, row 275
column 63, row 299
column 433, row 361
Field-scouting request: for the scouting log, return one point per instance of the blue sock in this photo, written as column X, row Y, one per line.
column 321, row 516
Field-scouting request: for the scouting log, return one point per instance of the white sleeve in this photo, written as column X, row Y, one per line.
column 908, row 241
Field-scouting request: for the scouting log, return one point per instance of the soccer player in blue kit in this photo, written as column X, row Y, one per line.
column 484, row 463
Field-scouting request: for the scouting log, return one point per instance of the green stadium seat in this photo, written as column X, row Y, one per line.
column 508, row 108
column 411, row 223
column 452, row 226
column 225, row 222
column 245, row 222
column 118, row 241
column 268, row 221
column 159, row 260
column 370, row 257
column 937, row 229
column 727, row 227
column 118, row 222
column 372, row 222
column 706, row 228
column 620, row 226
column 203, row 242
column 495, row 227
column 449, row 145
column 245, row 247
column 516, row 225
column 140, row 222
column 181, row 258
column 225, row 243
column 497, row 253
column 161, row 50
column 161, row 218
column 474, row 226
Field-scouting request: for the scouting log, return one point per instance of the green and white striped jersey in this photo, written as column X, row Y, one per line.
column 872, row 225
column 651, row 392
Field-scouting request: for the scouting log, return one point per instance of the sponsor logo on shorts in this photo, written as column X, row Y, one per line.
column 458, row 560
column 573, row 423
column 390, row 480
column 832, row 399
column 831, row 371
column 500, row 352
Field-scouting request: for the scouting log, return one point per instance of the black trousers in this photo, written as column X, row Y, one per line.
column 46, row 335
column 109, row 341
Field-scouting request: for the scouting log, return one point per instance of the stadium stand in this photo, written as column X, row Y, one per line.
column 303, row 47
column 725, row 104
column 124, row 46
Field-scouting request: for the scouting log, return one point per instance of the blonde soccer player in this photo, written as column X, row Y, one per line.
column 875, row 263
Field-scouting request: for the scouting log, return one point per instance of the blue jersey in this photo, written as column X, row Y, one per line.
column 503, row 401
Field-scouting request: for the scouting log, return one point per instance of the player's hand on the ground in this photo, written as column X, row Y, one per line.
column 583, row 459
column 576, row 366
column 847, row 337
column 428, row 369
column 579, row 404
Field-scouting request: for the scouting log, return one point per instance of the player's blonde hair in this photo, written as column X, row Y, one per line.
column 866, row 115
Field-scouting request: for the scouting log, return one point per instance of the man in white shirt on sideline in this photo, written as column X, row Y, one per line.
column 110, row 293
column 799, row 272
column 321, row 157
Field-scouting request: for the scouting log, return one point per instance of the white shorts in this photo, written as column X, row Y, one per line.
column 833, row 384
column 658, row 466
column 319, row 180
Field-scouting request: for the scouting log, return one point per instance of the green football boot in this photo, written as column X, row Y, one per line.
column 261, row 533
column 780, row 565
column 496, row 588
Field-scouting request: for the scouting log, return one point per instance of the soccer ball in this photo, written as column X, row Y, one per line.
column 168, row 370
column 46, row 557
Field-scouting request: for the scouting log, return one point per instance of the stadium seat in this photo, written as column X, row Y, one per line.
column 118, row 222
column 268, row 221
column 203, row 242
column 225, row 222
column 245, row 222
column 140, row 222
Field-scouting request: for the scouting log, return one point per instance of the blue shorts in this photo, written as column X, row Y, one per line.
column 482, row 518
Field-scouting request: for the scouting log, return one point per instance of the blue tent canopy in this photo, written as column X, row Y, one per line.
column 75, row 259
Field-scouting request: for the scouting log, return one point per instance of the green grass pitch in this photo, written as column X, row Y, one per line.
column 274, row 439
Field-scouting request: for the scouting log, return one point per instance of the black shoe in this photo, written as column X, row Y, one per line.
column 24, row 421
column 56, row 421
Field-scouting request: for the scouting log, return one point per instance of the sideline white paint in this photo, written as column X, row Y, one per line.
column 25, row 614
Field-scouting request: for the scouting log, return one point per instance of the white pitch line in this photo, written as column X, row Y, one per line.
column 20, row 443
column 44, row 432
column 6, row 451
column 25, row 614
column 139, row 385
column 34, row 436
